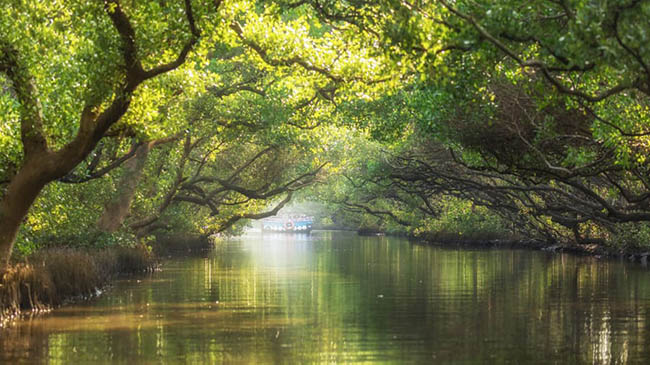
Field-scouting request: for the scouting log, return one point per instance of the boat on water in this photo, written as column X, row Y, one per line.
column 296, row 223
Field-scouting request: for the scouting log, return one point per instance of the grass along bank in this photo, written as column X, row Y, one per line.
column 53, row 276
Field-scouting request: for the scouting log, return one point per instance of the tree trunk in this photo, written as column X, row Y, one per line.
column 19, row 196
column 140, row 226
column 117, row 208
column 42, row 165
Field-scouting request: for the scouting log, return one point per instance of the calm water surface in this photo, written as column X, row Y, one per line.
column 335, row 297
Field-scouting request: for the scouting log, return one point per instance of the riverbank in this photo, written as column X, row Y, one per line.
column 180, row 244
column 55, row 276
column 505, row 240
column 638, row 255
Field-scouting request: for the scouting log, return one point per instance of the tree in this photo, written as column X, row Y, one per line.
column 119, row 93
column 543, row 104
column 101, row 63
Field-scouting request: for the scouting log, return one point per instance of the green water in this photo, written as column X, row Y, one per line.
column 337, row 298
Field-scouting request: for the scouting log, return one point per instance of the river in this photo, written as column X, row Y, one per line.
column 336, row 297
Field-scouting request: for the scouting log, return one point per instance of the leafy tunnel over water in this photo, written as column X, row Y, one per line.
column 125, row 125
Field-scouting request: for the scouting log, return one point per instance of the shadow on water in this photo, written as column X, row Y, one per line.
column 336, row 297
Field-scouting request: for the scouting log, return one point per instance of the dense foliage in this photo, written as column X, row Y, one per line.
column 537, row 111
column 464, row 117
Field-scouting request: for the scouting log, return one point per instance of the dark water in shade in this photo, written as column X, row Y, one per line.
column 337, row 298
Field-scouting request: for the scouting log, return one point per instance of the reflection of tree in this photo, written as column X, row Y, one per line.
column 23, row 340
column 420, row 294
column 349, row 299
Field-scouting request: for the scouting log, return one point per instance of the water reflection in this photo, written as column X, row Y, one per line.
column 335, row 297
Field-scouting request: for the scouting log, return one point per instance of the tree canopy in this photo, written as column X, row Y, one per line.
column 526, row 118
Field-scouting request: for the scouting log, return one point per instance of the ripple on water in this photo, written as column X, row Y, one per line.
column 343, row 299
